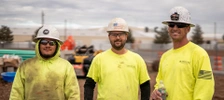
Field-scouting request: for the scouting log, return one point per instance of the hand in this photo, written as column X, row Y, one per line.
column 156, row 95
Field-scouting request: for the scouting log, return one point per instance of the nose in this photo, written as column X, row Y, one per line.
column 118, row 36
column 175, row 27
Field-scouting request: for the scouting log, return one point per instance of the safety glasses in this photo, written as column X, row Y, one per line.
column 117, row 34
column 179, row 25
column 45, row 42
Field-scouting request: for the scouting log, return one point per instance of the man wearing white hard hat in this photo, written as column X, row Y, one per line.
column 118, row 72
column 46, row 76
column 185, row 69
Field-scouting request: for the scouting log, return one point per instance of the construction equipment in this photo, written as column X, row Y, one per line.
column 87, row 61
column 82, row 59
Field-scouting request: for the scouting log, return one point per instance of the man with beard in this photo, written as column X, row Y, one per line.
column 117, row 71
column 185, row 69
column 46, row 76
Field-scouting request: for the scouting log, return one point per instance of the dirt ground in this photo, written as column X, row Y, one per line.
column 218, row 95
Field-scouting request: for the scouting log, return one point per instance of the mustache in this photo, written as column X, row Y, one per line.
column 117, row 40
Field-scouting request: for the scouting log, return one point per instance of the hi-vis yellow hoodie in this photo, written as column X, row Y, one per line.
column 40, row 79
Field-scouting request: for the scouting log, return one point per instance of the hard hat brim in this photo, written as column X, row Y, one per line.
column 40, row 37
column 116, row 31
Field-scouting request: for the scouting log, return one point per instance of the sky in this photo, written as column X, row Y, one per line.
column 209, row 14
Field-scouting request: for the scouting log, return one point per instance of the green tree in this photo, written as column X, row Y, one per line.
column 197, row 35
column 5, row 35
column 35, row 33
column 162, row 36
column 130, row 37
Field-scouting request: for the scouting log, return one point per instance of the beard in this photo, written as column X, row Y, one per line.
column 117, row 47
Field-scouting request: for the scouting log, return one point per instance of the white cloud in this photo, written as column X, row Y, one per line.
column 90, row 13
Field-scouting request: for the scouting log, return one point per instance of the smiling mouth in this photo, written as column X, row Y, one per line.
column 175, row 34
column 47, row 49
column 117, row 42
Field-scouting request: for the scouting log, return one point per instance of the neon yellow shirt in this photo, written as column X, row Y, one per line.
column 186, row 73
column 118, row 76
column 39, row 79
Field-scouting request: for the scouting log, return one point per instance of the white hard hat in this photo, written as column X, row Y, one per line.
column 48, row 32
column 118, row 24
column 179, row 15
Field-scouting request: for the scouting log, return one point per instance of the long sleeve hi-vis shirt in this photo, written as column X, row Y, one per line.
column 39, row 79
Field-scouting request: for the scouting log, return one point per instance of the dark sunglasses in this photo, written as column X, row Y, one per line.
column 45, row 42
column 179, row 25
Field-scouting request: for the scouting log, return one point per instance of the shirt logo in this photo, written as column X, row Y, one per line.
column 131, row 66
column 184, row 62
